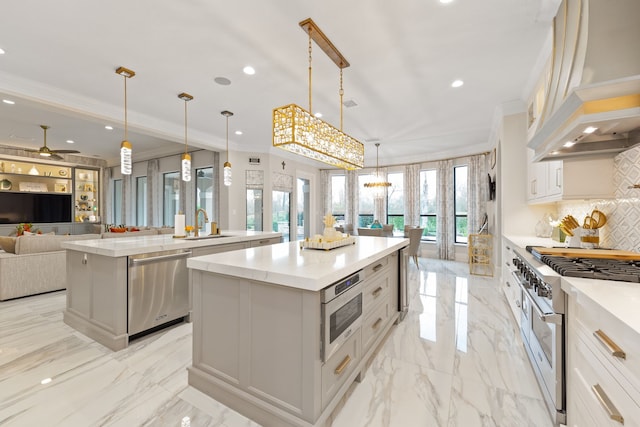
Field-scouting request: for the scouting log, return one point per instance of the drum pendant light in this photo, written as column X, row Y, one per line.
column 186, row 157
column 125, row 147
column 227, row 165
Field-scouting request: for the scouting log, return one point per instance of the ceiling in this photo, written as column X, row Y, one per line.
column 60, row 60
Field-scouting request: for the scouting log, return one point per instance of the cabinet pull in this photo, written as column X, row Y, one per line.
column 378, row 322
column 518, row 303
column 607, row 404
column 377, row 267
column 558, row 184
column 376, row 292
column 343, row 365
column 508, row 284
column 533, row 187
column 611, row 346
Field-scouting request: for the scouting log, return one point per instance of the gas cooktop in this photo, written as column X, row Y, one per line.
column 594, row 268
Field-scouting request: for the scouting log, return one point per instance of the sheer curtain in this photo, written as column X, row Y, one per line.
column 351, row 193
column 325, row 190
column 154, row 193
column 106, row 192
column 445, row 234
column 476, row 192
column 412, row 194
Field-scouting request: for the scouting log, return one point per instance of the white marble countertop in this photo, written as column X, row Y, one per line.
column 125, row 246
column 621, row 299
column 523, row 241
column 309, row 269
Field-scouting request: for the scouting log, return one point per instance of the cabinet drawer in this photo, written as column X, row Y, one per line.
column 590, row 372
column 378, row 267
column 265, row 242
column 611, row 340
column 374, row 324
column 375, row 290
column 337, row 369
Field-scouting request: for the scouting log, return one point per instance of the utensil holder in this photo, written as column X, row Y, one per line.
column 589, row 238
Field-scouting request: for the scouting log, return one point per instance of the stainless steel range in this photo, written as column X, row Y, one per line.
column 543, row 328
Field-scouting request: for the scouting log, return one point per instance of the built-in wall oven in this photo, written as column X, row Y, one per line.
column 543, row 329
column 341, row 312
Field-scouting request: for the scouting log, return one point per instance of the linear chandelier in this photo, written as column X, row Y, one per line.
column 125, row 147
column 185, row 160
column 379, row 184
column 299, row 131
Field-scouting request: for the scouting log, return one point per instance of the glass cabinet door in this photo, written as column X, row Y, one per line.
column 87, row 195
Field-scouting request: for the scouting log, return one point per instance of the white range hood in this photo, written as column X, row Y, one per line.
column 594, row 81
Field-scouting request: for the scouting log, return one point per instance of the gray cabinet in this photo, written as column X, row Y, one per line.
column 257, row 346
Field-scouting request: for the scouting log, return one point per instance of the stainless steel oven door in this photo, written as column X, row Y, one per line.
column 546, row 349
column 341, row 317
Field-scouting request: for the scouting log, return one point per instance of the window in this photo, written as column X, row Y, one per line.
column 204, row 193
column 460, row 185
column 395, row 200
column 366, row 205
column 254, row 209
column 338, row 197
column 141, row 200
column 280, row 213
column 428, row 191
column 171, row 206
column 304, row 207
column 117, row 201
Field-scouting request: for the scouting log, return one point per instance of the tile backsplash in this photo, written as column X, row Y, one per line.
column 622, row 230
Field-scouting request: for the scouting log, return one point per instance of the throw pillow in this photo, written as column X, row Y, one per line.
column 8, row 244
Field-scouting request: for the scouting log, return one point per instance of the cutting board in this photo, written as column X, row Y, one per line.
column 588, row 253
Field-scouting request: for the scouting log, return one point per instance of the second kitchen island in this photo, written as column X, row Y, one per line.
column 120, row 288
column 280, row 333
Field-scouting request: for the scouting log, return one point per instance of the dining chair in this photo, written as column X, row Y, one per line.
column 340, row 228
column 370, row 232
column 348, row 228
column 387, row 230
column 415, row 235
column 406, row 230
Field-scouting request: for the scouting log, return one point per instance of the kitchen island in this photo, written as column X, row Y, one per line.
column 265, row 328
column 121, row 288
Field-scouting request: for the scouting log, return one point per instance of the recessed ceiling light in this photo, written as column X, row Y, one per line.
column 107, row 127
column 555, row 153
column 8, row 101
column 446, row 1
column 249, row 70
column 318, row 115
column 238, row 132
column 457, row 83
column 70, row 141
column 45, row 381
column 222, row 81
column 569, row 144
column 1, row 51
column 590, row 129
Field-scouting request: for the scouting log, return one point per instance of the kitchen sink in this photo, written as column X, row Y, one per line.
column 208, row 236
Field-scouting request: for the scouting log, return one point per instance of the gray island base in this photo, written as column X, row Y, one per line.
column 260, row 327
column 121, row 288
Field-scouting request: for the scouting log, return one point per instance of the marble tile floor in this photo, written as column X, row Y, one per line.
column 456, row 360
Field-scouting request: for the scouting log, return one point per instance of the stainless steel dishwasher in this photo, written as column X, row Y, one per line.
column 158, row 289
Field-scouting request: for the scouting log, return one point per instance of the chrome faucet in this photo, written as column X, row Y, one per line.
column 197, row 223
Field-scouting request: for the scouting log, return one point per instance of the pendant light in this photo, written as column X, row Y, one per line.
column 378, row 185
column 186, row 158
column 227, row 165
column 125, row 147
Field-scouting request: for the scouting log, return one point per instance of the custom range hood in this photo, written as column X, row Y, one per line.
column 592, row 98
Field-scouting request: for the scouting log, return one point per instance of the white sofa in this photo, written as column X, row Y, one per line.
column 38, row 265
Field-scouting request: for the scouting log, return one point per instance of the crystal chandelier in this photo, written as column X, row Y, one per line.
column 125, row 147
column 185, row 161
column 379, row 184
column 299, row 131
column 227, row 166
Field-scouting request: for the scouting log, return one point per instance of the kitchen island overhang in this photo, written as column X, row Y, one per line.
column 259, row 322
column 121, row 288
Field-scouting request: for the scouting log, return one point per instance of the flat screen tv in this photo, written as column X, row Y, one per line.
column 34, row 207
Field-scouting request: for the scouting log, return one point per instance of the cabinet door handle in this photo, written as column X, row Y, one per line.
column 377, row 267
column 508, row 284
column 611, row 346
column 558, row 184
column 533, row 187
column 607, row 404
column 377, row 324
column 343, row 365
column 376, row 292
column 518, row 303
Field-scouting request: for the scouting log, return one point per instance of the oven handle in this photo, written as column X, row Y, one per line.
column 554, row 318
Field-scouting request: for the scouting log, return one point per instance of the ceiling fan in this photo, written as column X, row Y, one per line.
column 45, row 151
